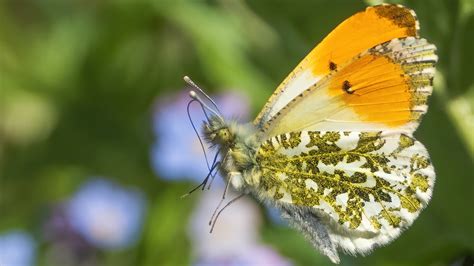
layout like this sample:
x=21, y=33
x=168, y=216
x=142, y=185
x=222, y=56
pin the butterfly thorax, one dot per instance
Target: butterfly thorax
x=237, y=144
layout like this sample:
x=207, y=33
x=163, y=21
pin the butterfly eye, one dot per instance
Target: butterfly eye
x=223, y=134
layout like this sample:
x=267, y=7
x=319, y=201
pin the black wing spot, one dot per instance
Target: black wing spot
x=332, y=65
x=346, y=86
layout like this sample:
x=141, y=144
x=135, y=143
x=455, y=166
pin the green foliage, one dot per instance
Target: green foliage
x=78, y=80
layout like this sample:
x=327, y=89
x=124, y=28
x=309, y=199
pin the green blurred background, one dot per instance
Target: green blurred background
x=79, y=80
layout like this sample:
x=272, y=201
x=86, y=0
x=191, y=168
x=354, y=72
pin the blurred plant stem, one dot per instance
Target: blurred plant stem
x=459, y=109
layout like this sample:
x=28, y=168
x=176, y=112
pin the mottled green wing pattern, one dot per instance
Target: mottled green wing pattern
x=368, y=185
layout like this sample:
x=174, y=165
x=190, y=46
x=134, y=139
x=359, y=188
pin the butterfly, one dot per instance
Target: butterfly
x=333, y=148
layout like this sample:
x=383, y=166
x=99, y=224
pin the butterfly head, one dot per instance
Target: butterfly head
x=218, y=132
x=236, y=143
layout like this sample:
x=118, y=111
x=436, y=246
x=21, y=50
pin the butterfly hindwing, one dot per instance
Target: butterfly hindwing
x=363, y=30
x=383, y=88
x=365, y=186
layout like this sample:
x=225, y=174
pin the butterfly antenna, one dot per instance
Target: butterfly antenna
x=195, y=96
x=223, y=208
x=214, y=175
x=215, y=165
x=197, y=133
x=192, y=84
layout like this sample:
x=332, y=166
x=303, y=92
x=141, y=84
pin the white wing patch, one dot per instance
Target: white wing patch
x=367, y=186
x=293, y=86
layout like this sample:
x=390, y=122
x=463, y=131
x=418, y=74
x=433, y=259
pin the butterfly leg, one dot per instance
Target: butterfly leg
x=220, y=202
x=223, y=208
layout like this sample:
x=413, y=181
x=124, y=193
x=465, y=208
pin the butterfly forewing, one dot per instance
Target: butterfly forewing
x=383, y=88
x=369, y=186
x=363, y=30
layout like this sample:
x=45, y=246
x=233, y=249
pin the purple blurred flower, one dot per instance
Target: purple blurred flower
x=66, y=245
x=256, y=255
x=17, y=248
x=177, y=152
x=107, y=215
x=234, y=240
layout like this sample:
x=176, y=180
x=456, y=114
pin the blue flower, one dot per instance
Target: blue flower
x=275, y=215
x=177, y=153
x=107, y=215
x=17, y=248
